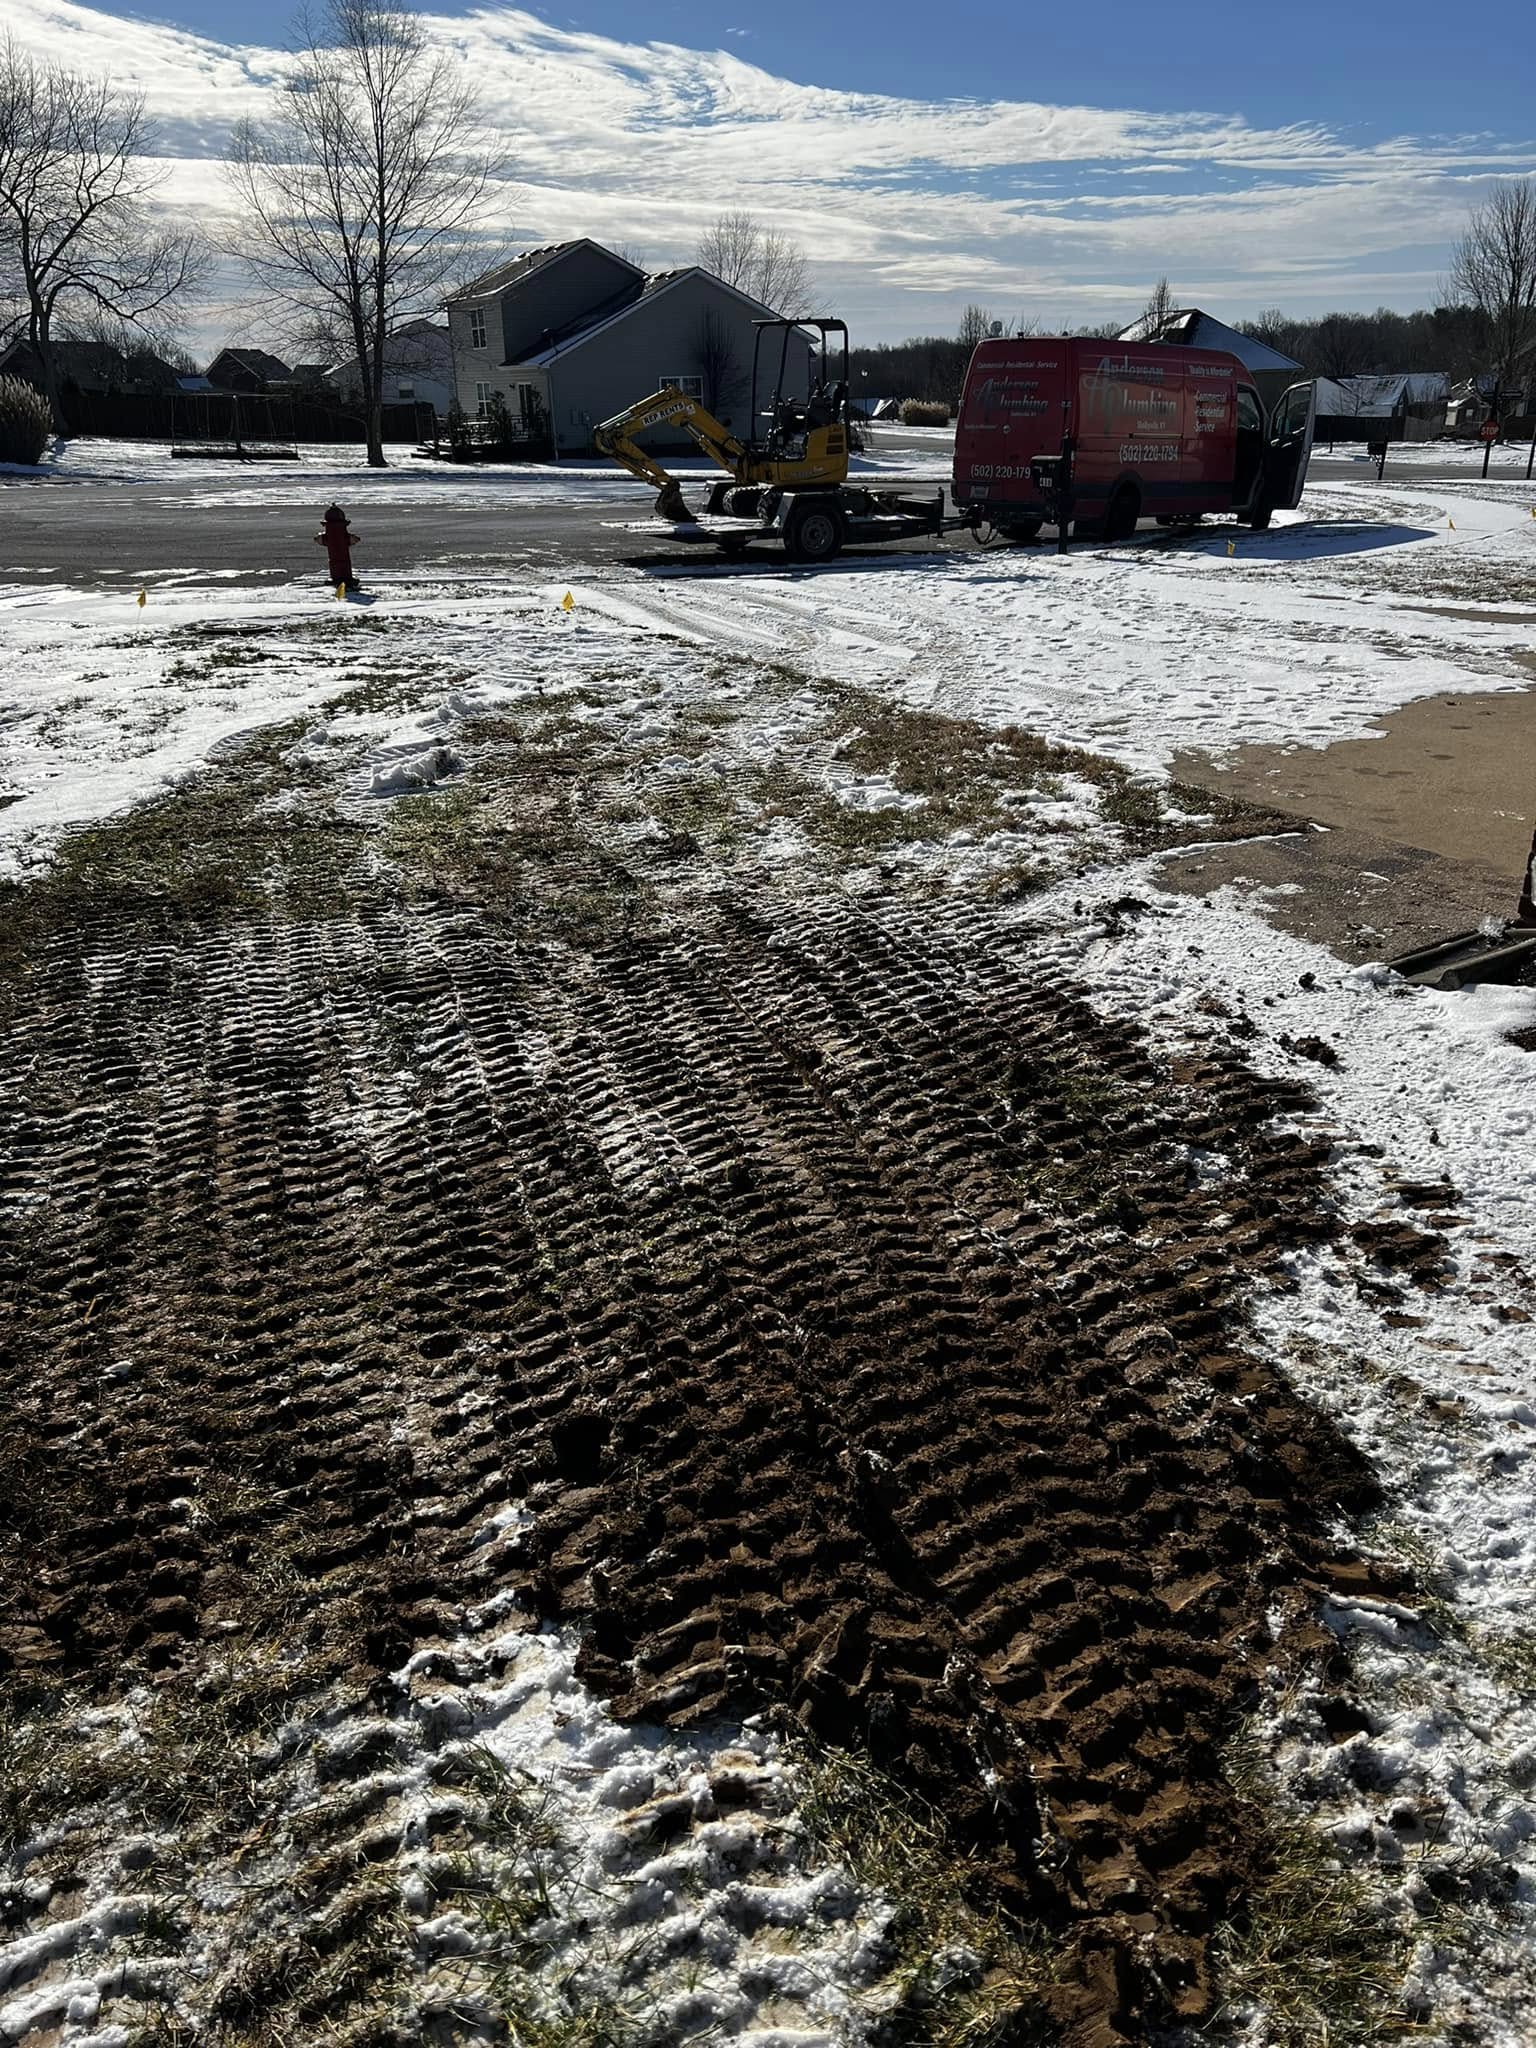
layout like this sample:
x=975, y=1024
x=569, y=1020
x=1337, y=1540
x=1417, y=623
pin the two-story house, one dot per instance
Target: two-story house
x=573, y=333
x=418, y=369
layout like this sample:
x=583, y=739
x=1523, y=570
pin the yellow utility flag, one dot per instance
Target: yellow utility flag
x=1451, y=524
x=1231, y=547
x=567, y=603
x=341, y=593
x=142, y=596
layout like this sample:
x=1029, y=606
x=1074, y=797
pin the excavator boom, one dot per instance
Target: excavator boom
x=668, y=407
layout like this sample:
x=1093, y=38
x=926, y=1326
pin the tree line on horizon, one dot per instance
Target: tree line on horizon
x=1459, y=339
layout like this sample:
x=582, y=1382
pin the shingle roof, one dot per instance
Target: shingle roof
x=258, y=361
x=523, y=266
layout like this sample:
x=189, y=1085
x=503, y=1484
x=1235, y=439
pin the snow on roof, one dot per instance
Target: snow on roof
x=1190, y=328
x=1379, y=397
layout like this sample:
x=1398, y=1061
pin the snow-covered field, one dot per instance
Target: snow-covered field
x=1302, y=635
x=1307, y=634
x=408, y=479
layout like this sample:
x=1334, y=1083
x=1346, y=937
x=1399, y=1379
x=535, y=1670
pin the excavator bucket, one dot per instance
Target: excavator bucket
x=669, y=503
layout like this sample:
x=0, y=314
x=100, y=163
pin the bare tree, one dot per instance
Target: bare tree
x=1159, y=308
x=1493, y=267
x=976, y=323
x=358, y=199
x=758, y=260
x=76, y=177
x=719, y=366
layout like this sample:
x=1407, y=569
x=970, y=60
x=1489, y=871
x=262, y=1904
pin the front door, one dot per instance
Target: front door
x=1289, y=446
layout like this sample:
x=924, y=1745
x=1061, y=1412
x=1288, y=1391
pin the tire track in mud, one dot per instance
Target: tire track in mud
x=846, y=1303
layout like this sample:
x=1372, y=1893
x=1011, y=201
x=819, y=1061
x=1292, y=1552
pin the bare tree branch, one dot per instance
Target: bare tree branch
x=975, y=325
x=76, y=230
x=757, y=260
x=1158, y=309
x=1493, y=267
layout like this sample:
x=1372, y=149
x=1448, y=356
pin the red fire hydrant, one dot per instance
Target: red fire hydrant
x=337, y=538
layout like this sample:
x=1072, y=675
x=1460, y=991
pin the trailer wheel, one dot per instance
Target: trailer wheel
x=812, y=532
x=1124, y=511
x=743, y=501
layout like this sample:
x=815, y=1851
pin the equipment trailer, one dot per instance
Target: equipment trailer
x=791, y=483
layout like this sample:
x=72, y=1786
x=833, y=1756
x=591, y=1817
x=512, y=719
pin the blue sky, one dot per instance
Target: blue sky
x=1310, y=158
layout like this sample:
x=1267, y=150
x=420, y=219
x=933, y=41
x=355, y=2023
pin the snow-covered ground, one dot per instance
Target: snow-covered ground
x=408, y=479
x=1508, y=459
x=1306, y=634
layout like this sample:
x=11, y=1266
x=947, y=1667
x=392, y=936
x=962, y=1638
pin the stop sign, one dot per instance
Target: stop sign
x=1489, y=430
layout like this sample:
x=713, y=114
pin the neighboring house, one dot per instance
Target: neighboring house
x=91, y=366
x=1471, y=402
x=1405, y=406
x=247, y=370
x=1271, y=371
x=573, y=333
x=418, y=369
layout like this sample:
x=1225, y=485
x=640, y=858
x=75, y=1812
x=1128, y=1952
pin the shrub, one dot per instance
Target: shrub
x=924, y=412
x=25, y=423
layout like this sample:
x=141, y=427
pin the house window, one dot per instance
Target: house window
x=477, y=328
x=484, y=393
x=406, y=393
x=524, y=397
x=690, y=387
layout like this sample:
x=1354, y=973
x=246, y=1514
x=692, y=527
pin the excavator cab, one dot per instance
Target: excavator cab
x=822, y=412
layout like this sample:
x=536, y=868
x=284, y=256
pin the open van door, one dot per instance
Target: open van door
x=1289, y=447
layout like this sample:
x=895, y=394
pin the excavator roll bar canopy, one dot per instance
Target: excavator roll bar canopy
x=829, y=386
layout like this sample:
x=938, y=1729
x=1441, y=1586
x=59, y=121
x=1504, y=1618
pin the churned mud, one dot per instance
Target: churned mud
x=858, y=1317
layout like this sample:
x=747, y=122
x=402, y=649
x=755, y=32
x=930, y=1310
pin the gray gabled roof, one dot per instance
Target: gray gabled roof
x=1190, y=328
x=522, y=267
x=663, y=281
x=258, y=361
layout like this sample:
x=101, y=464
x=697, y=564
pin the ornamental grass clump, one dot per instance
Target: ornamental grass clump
x=924, y=412
x=25, y=424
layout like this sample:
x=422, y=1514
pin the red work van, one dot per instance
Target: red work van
x=1094, y=435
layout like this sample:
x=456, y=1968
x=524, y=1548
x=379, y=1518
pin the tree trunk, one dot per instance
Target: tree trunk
x=43, y=340
x=376, y=425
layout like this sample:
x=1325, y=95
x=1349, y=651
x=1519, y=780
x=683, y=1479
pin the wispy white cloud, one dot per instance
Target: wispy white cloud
x=908, y=207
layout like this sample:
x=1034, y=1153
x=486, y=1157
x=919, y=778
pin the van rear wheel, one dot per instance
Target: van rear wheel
x=1124, y=511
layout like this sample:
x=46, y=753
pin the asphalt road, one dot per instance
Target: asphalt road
x=144, y=532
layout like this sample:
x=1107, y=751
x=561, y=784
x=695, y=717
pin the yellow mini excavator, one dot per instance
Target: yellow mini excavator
x=789, y=483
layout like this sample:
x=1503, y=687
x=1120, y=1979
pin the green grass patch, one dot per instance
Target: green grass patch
x=1308, y=1950
x=962, y=1973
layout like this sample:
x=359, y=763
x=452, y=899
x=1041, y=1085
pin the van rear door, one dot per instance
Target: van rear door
x=1289, y=447
x=1013, y=408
